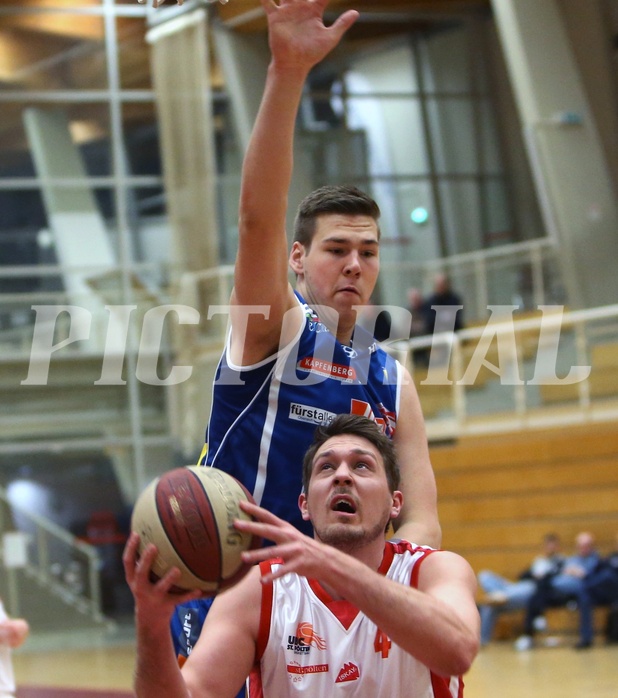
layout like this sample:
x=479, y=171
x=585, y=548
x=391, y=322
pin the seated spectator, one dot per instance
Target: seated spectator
x=503, y=594
x=561, y=588
x=599, y=588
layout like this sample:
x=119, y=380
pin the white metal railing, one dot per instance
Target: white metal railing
x=526, y=272
x=57, y=560
x=513, y=373
x=468, y=407
x=484, y=277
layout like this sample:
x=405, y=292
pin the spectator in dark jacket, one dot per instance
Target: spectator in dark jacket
x=503, y=594
x=599, y=588
x=562, y=587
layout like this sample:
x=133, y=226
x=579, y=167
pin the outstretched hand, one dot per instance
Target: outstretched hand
x=301, y=554
x=297, y=34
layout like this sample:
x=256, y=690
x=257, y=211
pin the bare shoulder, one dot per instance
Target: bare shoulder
x=446, y=566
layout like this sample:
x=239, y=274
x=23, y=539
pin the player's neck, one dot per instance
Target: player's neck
x=344, y=333
x=370, y=554
x=340, y=324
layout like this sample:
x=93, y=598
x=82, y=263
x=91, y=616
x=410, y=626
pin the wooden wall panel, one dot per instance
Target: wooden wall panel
x=498, y=496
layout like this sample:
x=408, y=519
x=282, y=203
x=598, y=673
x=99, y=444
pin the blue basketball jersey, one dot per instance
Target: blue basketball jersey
x=263, y=417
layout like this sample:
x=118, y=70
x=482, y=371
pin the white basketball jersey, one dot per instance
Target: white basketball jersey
x=311, y=645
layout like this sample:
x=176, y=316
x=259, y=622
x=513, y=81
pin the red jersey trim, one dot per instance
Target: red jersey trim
x=265, y=612
x=442, y=686
x=343, y=610
x=417, y=567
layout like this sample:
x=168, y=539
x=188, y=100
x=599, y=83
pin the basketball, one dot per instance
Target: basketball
x=188, y=513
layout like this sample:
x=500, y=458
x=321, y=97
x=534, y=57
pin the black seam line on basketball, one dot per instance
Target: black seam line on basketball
x=213, y=518
x=175, y=547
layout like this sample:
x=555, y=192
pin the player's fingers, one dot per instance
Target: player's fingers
x=129, y=555
x=291, y=564
x=285, y=550
x=341, y=25
x=167, y=586
x=268, y=5
x=278, y=532
x=260, y=513
x=144, y=562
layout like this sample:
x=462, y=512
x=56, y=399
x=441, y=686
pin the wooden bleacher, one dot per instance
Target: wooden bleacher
x=498, y=495
x=603, y=377
x=438, y=398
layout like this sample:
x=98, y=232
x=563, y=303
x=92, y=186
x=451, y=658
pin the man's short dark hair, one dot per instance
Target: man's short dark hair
x=357, y=426
x=331, y=199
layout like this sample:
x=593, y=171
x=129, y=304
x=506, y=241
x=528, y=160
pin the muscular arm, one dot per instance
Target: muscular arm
x=437, y=623
x=225, y=651
x=223, y=655
x=298, y=40
x=418, y=521
x=157, y=674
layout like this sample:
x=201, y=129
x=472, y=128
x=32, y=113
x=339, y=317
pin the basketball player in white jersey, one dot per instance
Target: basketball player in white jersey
x=343, y=613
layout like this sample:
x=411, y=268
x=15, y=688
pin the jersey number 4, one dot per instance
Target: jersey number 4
x=382, y=644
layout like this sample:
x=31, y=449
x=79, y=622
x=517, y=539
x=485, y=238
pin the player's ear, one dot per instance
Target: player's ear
x=297, y=255
x=397, y=504
x=302, y=505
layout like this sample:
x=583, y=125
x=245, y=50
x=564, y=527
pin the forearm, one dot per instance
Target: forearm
x=424, y=626
x=261, y=270
x=157, y=674
x=298, y=40
x=268, y=162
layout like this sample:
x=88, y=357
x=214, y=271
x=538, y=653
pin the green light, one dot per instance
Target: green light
x=419, y=215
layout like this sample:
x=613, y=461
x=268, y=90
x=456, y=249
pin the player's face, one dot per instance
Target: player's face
x=341, y=268
x=348, y=499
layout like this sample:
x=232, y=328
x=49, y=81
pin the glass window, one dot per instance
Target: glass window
x=460, y=206
x=453, y=137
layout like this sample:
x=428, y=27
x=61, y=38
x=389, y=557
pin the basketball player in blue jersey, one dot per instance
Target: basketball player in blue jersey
x=295, y=359
x=345, y=612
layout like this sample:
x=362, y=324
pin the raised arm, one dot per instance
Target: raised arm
x=418, y=521
x=298, y=40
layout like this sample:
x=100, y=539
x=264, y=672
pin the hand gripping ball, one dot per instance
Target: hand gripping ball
x=188, y=513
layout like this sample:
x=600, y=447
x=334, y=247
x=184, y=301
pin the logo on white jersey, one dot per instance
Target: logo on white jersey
x=296, y=672
x=348, y=672
x=309, y=636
